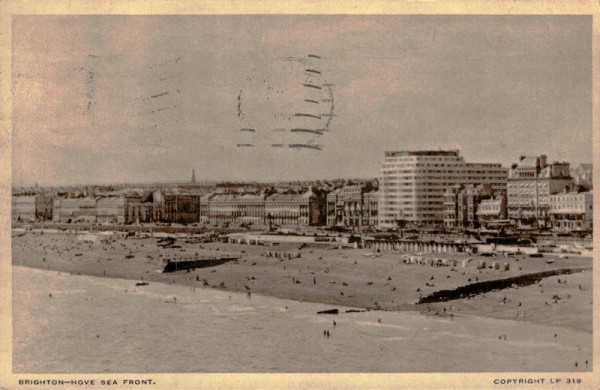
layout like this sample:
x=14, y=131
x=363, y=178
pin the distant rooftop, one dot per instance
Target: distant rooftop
x=528, y=162
x=402, y=153
x=288, y=197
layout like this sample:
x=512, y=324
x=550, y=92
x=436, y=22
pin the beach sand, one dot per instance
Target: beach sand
x=66, y=323
x=331, y=276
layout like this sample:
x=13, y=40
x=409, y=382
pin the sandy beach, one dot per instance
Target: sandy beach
x=66, y=323
x=77, y=308
x=331, y=276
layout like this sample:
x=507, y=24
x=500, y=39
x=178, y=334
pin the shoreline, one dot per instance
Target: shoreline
x=232, y=293
x=325, y=276
x=102, y=325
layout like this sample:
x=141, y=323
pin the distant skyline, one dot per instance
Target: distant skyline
x=116, y=99
x=184, y=182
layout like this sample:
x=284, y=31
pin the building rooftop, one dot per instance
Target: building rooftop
x=230, y=197
x=289, y=197
x=352, y=188
x=401, y=153
x=222, y=197
x=528, y=162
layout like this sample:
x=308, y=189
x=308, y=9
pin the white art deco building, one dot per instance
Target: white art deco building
x=412, y=183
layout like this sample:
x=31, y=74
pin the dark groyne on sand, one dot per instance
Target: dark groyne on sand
x=473, y=289
x=183, y=265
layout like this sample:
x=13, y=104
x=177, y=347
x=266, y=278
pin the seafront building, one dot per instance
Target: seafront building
x=334, y=212
x=30, y=208
x=301, y=209
x=234, y=208
x=530, y=184
x=222, y=208
x=353, y=206
x=469, y=199
x=473, y=206
x=451, y=206
x=493, y=211
x=139, y=208
x=306, y=209
x=110, y=209
x=350, y=200
x=421, y=188
x=133, y=208
x=412, y=184
x=371, y=208
x=463, y=205
x=183, y=209
x=204, y=207
x=67, y=210
x=572, y=211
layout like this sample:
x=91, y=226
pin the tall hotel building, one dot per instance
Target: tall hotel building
x=531, y=182
x=412, y=183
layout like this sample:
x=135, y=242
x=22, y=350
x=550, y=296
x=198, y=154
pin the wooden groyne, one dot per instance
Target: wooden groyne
x=473, y=289
x=183, y=265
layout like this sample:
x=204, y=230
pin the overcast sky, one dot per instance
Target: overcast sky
x=137, y=99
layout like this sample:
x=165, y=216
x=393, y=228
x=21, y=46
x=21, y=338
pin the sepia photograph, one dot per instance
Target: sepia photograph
x=299, y=193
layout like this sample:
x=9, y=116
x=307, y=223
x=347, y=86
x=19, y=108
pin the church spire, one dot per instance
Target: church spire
x=193, y=176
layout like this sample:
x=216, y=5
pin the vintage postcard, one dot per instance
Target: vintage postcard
x=298, y=195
